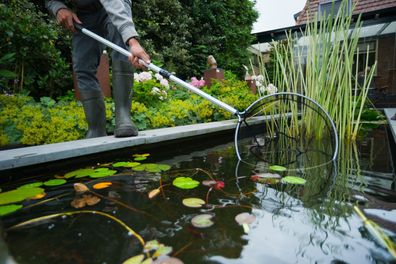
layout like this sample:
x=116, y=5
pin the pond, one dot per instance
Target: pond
x=141, y=209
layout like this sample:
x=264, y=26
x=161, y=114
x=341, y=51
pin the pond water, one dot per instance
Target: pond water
x=293, y=223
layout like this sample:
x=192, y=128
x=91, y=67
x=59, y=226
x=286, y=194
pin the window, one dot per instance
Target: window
x=328, y=7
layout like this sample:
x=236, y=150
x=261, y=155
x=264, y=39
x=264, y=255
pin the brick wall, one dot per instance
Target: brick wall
x=362, y=6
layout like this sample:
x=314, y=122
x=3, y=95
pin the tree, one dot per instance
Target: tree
x=183, y=33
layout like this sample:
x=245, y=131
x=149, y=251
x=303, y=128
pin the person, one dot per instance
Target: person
x=113, y=21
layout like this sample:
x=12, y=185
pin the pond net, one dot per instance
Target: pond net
x=286, y=129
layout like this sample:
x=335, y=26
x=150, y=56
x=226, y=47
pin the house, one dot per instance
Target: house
x=377, y=39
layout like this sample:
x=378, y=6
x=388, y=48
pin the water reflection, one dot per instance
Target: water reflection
x=311, y=223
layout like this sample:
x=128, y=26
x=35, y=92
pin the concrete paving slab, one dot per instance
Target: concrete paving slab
x=20, y=157
x=389, y=113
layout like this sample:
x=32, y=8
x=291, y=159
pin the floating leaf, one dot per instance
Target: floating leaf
x=151, y=245
x=38, y=196
x=147, y=261
x=209, y=182
x=102, y=172
x=162, y=250
x=126, y=164
x=266, y=178
x=151, y=167
x=31, y=185
x=193, y=202
x=140, y=158
x=134, y=260
x=185, y=183
x=277, y=168
x=8, y=209
x=55, y=182
x=244, y=219
x=141, y=155
x=293, y=180
x=19, y=195
x=102, y=185
x=85, y=200
x=79, y=173
x=202, y=220
x=80, y=187
x=164, y=167
x=154, y=193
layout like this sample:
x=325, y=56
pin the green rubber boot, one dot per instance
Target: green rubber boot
x=122, y=95
x=95, y=114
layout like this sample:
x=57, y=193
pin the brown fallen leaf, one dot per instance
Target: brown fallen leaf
x=84, y=201
x=153, y=193
x=80, y=187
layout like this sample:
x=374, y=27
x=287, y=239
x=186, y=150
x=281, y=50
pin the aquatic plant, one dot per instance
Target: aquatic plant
x=320, y=65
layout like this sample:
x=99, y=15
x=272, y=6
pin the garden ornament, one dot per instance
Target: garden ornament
x=251, y=145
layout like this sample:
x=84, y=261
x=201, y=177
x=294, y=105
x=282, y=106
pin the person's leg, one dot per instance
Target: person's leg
x=122, y=83
x=86, y=57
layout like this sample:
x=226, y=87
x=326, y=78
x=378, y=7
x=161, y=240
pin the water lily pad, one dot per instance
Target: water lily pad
x=277, y=168
x=141, y=155
x=244, y=219
x=209, y=182
x=102, y=185
x=151, y=167
x=134, y=260
x=140, y=158
x=31, y=185
x=293, y=180
x=193, y=202
x=102, y=172
x=19, y=195
x=162, y=250
x=55, y=182
x=151, y=245
x=79, y=173
x=202, y=221
x=185, y=183
x=8, y=209
x=126, y=164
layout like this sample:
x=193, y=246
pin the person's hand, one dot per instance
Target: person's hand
x=66, y=18
x=138, y=53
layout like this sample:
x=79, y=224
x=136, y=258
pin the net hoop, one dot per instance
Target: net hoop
x=324, y=114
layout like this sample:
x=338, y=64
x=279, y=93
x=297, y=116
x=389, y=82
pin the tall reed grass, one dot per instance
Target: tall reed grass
x=319, y=64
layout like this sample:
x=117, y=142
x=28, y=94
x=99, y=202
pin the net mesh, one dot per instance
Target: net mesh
x=286, y=129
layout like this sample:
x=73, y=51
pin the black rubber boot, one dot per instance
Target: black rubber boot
x=95, y=114
x=122, y=95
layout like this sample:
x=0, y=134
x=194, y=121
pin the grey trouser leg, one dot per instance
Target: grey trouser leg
x=86, y=58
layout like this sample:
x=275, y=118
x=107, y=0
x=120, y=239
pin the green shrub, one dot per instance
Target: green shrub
x=25, y=121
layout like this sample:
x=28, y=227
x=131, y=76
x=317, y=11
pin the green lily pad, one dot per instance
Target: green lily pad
x=164, y=167
x=185, y=183
x=193, y=202
x=79, y=173
x=134, y=260
x=293, y=180
x=7, y=209
x=102, y=172
x=202, y=220
x=277, y=168
x=31, y=185
x=162, y=250
x=55, y=182
x=140, y=158
x=19, y=195
x=151, y=245
x=126, y=164
x=151, y=167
